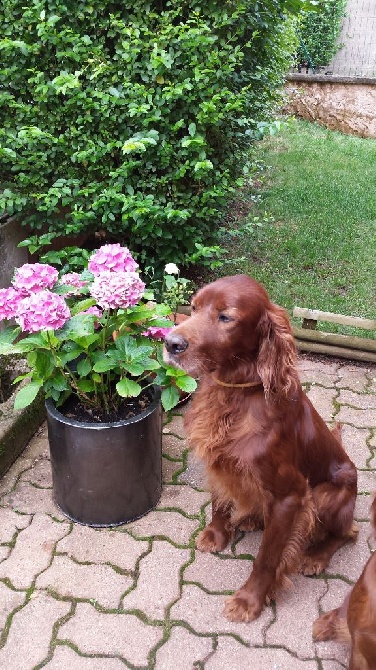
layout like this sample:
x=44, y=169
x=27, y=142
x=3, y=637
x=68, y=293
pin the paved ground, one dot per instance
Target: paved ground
x=140, y=596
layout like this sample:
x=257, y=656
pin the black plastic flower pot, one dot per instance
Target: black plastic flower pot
x=106, y=474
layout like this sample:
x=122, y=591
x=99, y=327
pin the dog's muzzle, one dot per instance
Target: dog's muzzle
x=175, y=344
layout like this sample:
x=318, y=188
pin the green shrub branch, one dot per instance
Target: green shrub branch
x=134, y=118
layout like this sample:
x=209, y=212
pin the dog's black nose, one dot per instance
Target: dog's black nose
x=175, y=344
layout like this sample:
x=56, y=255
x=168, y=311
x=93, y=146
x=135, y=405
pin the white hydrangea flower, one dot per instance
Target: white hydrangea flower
x=171, y=269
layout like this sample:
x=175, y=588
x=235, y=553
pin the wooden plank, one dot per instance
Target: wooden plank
x=341, y=352
x=317, y=315
x=348, y=341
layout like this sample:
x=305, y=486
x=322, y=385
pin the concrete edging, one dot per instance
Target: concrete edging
x=17, y=428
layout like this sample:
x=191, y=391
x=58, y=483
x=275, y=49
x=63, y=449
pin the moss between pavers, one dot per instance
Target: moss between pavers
x=17, y=428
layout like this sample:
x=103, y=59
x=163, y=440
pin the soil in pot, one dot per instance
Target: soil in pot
x=127, y=409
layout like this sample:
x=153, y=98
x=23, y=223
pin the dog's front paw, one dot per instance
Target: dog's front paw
x=332, y=626
x=312, y=565
x=250, y=523
x=211, y=539
x=243, y=607
x=323, y=628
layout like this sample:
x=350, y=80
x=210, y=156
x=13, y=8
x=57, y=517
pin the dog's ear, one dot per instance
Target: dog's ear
x=276, y=361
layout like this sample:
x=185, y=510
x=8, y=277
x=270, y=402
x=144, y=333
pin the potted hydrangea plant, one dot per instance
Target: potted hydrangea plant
x=93, y=342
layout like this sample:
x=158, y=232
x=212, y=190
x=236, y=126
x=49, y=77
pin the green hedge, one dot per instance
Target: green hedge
x=132, y=117
x=319, y=32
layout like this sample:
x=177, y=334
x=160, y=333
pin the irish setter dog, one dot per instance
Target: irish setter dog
x=355, y=620
x=270, y=459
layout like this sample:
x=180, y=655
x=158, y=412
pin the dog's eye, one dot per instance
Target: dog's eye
x=224, y=318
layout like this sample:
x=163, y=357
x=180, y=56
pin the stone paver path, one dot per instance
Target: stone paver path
x=140, y=596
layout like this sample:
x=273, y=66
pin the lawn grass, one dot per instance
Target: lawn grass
x=319, y=249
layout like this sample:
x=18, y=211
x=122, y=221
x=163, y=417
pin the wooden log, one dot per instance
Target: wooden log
x=317, y=315
x=184, y=309
x=341, y=352
x=347, y=341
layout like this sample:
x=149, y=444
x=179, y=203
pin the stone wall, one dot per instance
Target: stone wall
x=348, y=105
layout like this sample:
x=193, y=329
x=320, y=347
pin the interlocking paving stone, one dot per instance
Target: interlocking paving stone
x=27, y=498
x=333, y=650
x=366, y=481
x=218, y=574
x=9, y=601
x=102, y=546
x=347, y=559
x=113, y=634
x=158, y=581
x=170, y=470
x=249, y=544
x=193, y=474
x=363, y=503
x=292, y=631
x=65, y=658
x=99, y=583
x=335, y=593
x=10, y=522
x=40, y=474
x=175, y=427
x=354, y=441
x=258, y=659
x=315, y=366
x=4, y=553
x=33, y=551
x=172, y=525
x=184, y=498
x=153, y=616
x=30, y=634
x=362, y=401
x=36, y=449
x=174, y=446
x=360, y=418
x=204, y=613
x=323, y=400
x=319, y=377
x=331, y=665
x=356, y=379
x=183, y=649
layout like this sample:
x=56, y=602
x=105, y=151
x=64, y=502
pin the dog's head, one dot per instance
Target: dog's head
x=236, y=330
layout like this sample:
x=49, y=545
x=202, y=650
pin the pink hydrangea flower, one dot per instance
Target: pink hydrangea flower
x=112, y=258
x=42, y=311
x=157, y=333
x=93, y=310
x=117, y=289
x=9, y=299
x=33, y=277
x=73, y=279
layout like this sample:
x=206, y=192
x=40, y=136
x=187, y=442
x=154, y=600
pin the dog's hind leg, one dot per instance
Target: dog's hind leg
x=334, y=503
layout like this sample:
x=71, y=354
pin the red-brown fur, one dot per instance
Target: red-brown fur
x=270, y=459
x=355, y=620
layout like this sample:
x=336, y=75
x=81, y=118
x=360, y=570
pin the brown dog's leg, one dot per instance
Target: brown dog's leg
x=363, y=651
x=217, y=534
x=333, y=625
x=317, y=557
x=247, y=603
x=334, y=503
